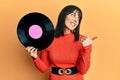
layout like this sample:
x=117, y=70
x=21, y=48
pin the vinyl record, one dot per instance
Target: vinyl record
x=35, y=29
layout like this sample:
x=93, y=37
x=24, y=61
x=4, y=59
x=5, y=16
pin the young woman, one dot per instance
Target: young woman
x=69, y=53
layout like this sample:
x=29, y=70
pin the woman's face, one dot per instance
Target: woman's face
x=71, y=21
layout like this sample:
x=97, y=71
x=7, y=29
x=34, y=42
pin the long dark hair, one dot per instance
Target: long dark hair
x=60, y=27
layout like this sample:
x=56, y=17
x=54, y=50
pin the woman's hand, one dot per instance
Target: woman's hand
x=32, y=51
x=87, y=41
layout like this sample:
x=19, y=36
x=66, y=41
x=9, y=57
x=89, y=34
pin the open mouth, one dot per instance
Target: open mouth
x=73, y=24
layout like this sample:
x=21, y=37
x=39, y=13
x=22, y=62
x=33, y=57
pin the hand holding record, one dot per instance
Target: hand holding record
x=32, y=51
x=35, y=29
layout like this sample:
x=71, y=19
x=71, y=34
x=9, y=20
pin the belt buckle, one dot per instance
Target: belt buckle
x=61, y=72
x=68, y=71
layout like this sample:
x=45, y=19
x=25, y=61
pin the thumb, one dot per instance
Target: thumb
x=95, y=37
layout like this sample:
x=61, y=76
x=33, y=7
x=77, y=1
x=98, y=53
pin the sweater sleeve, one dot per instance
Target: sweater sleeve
x=42, y=62
x=83, y=62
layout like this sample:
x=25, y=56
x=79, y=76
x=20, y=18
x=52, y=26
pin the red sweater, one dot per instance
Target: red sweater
x=64, y=52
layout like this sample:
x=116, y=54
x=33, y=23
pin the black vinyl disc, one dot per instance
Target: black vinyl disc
x=35, y=29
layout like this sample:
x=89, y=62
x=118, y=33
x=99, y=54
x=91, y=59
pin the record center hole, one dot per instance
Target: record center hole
x=35, y=31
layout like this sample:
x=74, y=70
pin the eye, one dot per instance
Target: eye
x=73, y=14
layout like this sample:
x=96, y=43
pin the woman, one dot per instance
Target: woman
x=69, y=53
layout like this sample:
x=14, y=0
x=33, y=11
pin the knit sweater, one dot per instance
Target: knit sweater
x=65, y=52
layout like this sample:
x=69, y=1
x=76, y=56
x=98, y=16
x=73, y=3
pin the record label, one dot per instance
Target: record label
x=35, y=31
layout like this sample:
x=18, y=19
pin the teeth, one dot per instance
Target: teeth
x=73, y=24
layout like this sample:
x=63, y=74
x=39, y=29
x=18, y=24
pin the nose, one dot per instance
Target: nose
x=75, y=19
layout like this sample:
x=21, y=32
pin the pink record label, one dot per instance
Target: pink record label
x=35, y=31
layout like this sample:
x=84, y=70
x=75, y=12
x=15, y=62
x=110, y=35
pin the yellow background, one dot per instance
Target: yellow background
x=100, y=18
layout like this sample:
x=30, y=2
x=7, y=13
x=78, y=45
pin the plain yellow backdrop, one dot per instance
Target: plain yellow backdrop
x=100, y=18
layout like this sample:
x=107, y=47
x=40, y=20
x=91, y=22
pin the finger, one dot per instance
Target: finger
x=95, y=37
x=84, y=38
x=33, y=50
x=36, y=50
x=26, y=48
x=29, y=49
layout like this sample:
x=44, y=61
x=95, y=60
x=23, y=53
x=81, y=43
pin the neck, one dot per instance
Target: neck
x=67, y=31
